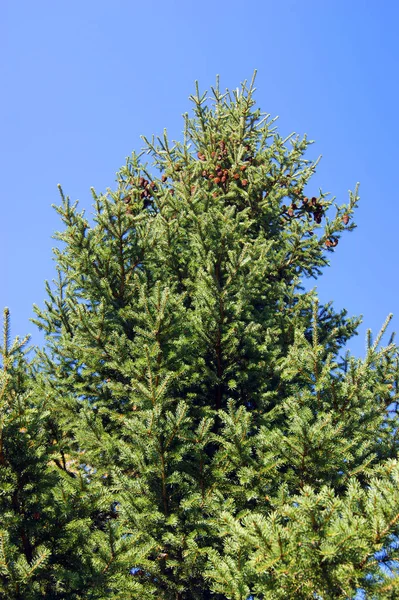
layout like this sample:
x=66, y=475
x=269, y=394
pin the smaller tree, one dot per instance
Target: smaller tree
x=46, y=511
x=328, y=523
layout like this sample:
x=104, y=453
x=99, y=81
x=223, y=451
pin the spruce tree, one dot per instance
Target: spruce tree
x=48, y=515
x=233, y=448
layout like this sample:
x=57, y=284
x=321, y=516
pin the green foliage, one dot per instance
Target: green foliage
x=204, y=434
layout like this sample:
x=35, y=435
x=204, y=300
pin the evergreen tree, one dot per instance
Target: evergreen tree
x=232, y=448
x=47, y=512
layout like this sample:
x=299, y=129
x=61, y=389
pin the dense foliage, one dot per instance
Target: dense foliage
x=193, y=428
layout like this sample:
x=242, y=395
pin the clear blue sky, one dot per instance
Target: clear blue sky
x=81, y=80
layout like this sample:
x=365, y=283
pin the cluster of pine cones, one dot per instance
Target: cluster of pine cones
x=309, y=205
x=147, y=188
x=221, y=172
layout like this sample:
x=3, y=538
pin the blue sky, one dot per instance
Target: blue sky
x=82, y=80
